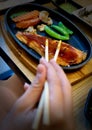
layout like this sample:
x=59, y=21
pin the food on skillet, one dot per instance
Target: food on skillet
x=28, y=19
x=42, y=22
x=54, y=34
x=68, y=55
x=32, y=18
x=44, y=17
x=60, y=24
x=59, y=31
x=28, y=15
x=26, y=23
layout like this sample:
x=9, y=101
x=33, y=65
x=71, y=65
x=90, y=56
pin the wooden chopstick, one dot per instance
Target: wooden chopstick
x=39, y=113
x=46, y=112
x=46, y=51
x=44, y=101
x=57, y=50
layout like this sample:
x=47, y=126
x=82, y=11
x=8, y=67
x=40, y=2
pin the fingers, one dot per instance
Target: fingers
x=65, y=84
x=60, y=72
x=56, y=98
x=33, y=91
x=66, y=91
x=60, y=90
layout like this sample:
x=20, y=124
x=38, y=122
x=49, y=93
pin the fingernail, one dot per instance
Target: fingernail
x=26, y=84
x=41, y=59
x=39, y=73
x=39, y=70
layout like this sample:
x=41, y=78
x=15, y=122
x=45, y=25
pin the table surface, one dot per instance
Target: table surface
x=80, y=79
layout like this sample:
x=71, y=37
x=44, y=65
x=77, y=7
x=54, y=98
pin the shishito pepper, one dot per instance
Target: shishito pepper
x=60, y=24
x=54, y=34
x=60, y=29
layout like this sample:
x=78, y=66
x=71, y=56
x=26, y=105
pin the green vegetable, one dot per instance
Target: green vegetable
x=54, y=34
x=60, y=24
x=17, y=14
x=59, y=29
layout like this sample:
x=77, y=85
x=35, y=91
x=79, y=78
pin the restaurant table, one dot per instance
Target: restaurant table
x=81, y=79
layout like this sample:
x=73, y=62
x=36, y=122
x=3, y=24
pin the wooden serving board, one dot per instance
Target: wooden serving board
x=29, y=62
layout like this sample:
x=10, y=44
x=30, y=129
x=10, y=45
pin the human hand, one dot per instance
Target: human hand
x=22, y=114
x=61, y=110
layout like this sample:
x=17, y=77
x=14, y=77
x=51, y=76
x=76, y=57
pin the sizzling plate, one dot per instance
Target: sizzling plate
x=78, y=39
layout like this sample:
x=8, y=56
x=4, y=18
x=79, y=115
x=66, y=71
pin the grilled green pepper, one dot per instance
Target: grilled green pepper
x=60, y=24
x=60, y=30
x=54, y=34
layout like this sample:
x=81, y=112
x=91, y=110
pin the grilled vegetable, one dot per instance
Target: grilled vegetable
x=60, y=24
x=44, y=17
x=60, y=29
x=54, y=34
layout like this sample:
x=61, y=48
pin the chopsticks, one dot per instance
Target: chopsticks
x=46, y=118
x=41, y=103
x=57, y=50
x=44, y=101
x=46, y=50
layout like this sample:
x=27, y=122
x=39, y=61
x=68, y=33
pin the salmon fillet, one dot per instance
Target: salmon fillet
x=68, y=54
x=30, y=15
x=27, y=23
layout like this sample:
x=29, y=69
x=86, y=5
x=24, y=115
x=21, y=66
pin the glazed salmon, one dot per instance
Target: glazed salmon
x=68, y=54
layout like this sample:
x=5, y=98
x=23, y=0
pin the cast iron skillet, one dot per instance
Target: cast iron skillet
x=78, y=39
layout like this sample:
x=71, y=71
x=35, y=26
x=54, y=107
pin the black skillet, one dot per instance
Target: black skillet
x=78, y=39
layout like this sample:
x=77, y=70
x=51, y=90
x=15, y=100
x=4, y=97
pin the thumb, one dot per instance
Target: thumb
x=33, y=91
